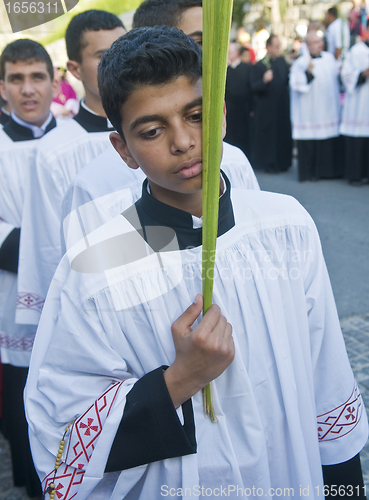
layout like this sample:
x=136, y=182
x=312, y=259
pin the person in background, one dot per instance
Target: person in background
x=354, y=123
x=60, y=157
x=65, y=104
x=245, y=55
x=238, y=100
x=315, y=112
x=27, y=86
x=337, y=34
x=272, y=140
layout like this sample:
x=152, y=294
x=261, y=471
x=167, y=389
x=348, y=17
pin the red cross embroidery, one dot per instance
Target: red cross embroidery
x=88, y=426
x=28, y=300
x=59, y=487
x=350, y=415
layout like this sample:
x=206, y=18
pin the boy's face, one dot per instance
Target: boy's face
x=162, y=127
x=191, y=24
x=96, y=43
x=28, y=89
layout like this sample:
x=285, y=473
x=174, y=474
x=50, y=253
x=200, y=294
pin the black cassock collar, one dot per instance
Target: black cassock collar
x=4, y=118
x=18, y=132
x=152, y=212
x=91, y=122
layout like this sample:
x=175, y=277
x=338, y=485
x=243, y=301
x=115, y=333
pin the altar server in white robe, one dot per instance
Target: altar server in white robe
x=355, y=121
x=27, y=86
x=117, y=371
x=60, y=157
x=315, y=111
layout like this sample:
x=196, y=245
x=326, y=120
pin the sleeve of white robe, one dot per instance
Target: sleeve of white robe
x=342, y=424
x=350, y=72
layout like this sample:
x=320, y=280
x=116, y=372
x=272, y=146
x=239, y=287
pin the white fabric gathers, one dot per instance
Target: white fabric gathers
x=15, y=159
x=108, y=186
x=281, y=405
x=315, y=106
x=62, y=153
x=355, y=116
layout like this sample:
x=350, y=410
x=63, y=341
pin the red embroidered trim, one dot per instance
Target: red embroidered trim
x=81, y=444
x=16, y=343
x=27, y=300
x=315, y=125
x=341, y=420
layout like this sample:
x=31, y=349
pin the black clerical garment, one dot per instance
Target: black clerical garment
x=272, y=138
x=239, y=105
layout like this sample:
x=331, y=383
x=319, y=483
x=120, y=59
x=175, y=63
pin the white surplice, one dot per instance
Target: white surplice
x=315, y=106
x=15, y=159
x=287, y=404
x=355, y=115
x=61, y=155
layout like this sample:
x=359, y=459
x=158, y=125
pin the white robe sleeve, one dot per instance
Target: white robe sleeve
x=298, y=78
x=342, y=424
x=350, y=72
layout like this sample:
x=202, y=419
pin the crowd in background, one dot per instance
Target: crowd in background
x=316, y=93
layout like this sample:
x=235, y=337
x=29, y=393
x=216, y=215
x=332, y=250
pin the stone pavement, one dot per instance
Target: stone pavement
x=356, y=333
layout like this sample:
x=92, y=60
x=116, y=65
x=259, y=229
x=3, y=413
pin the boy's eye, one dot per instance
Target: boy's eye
x=196, y=117
x=151, y=134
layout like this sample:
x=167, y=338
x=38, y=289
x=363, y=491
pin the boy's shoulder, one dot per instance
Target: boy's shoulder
x=260, y=210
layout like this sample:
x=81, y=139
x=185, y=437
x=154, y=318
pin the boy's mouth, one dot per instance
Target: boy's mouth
x=190, y=168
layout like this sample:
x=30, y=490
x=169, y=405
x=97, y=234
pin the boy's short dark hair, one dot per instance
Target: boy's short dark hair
x=145, y=56
x=333, y=11
x=162, y=12
x=270, y=40
x=90, y=20
x=25, y=50
x=243, y=49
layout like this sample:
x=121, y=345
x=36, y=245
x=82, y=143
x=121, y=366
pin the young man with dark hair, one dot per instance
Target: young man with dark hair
x=121, y=354
x=60, y=157
x=27, y=87
x=185, y=15
x=337, y=35
x=115, y=186
x=272, y=140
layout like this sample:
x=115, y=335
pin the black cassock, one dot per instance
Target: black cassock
x=238, y=104
x=272, y=138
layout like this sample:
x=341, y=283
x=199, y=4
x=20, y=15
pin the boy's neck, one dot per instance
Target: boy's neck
x=191, y=203
x=94, y=104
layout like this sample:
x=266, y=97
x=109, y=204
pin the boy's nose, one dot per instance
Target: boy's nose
x=182, y=140
x=27, y=87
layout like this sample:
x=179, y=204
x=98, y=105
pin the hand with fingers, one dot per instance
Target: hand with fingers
x=202, y=353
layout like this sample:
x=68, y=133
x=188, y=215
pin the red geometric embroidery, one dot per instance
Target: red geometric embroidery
x=88, y=426
x=341, y=420
x=23, y=344
x=27, y=300
x=81, y=446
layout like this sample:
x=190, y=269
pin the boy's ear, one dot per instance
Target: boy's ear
x=56, y=88
x=75, y=68
x=2, y=90
x=122, y=149
x=224, y=124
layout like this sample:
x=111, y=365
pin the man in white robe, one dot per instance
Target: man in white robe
x=355, y=122
x=315, y=111
x=60, y=157
x=117, y=370
x=337, y=34
x=27, y=87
